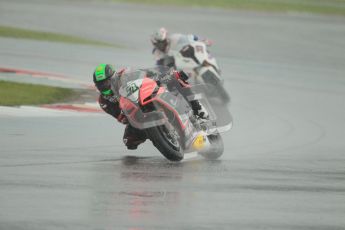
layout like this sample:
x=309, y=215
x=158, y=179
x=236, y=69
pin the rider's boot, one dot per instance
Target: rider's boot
x=133, y=137
x=199, y=110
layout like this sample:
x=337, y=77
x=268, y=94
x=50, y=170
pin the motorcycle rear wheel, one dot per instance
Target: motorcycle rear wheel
x=216, y=149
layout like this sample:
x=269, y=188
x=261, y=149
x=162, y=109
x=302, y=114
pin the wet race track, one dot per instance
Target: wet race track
x=284, y=161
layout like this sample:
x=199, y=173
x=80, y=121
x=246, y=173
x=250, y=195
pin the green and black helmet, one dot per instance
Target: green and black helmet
x=101, y=78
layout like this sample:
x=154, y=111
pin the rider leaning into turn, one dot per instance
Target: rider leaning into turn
x=102, y=75
x=161, y=41
x=132, y=137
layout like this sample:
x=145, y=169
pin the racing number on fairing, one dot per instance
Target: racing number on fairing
x=131, y=88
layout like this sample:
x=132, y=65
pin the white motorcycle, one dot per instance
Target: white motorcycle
x=194, y=59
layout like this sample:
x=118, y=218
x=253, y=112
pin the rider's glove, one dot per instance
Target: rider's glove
x=122, y=118
x=199, y=109
x=183, y=75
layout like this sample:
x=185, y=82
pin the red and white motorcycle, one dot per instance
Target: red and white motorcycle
x=166, y=115
x=194, y=58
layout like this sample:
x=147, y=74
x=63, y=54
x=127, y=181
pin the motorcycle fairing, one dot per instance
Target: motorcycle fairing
x=189, y=54
x=139, y=119
x=148, y=90
x=131, y=91
x=138, y=91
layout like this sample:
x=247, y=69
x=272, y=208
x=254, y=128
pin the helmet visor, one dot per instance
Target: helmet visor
x=104, y=87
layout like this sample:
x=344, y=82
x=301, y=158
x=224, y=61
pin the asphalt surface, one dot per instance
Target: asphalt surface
x=283, y=165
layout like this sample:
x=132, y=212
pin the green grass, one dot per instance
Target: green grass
x=6, y=31
x=336, y=7
x=12, y=94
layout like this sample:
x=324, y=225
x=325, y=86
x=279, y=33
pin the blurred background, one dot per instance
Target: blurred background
x=283, y=164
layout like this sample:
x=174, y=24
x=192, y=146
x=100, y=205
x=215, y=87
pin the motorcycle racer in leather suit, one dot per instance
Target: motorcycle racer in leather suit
x=162, y=40
x=108, y=102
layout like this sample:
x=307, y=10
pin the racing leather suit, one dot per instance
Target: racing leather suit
x=161, y=56
x=132, y=137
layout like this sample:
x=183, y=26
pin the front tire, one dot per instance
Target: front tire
x=169, y=147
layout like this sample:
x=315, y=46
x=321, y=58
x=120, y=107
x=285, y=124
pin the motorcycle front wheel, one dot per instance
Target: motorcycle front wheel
x=167, y=142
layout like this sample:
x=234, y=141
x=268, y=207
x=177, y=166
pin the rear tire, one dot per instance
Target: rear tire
x=170, y=151
x=223, y=94
x=215, y=87
x=218, y=92
x=216, y=149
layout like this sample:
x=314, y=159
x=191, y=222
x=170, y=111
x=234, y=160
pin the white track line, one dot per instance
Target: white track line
x=33, y=111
